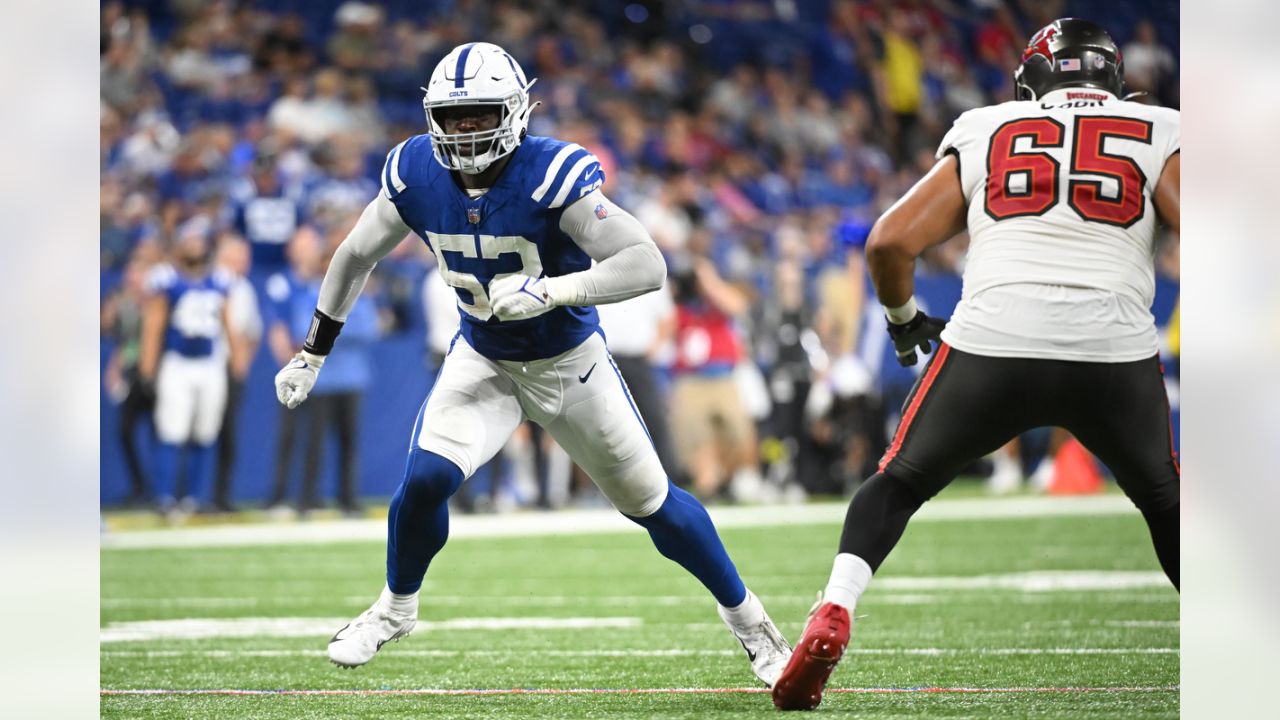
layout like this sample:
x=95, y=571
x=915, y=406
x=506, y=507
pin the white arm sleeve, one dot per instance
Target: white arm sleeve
x=628, y=263
x=376, y=233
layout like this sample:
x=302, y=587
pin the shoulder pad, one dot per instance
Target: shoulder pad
x=408, y=163
x=564, y=171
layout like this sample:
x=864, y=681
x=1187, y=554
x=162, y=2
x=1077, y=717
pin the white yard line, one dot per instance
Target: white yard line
x=201, y=628
x=398, y=652
x=644, y=691
x=918, y=589
x=573, y=522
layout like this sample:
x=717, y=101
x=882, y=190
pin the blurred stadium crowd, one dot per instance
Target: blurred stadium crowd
x=756, y=140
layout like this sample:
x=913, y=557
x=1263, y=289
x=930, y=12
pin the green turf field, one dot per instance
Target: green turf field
x=1042, y=616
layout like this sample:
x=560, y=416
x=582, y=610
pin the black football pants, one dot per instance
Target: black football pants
x=965, y=406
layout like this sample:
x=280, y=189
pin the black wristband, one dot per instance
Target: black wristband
x=322, y=334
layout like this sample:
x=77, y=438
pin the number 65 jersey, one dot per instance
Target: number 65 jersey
x=510, y=228
x=1062, y=226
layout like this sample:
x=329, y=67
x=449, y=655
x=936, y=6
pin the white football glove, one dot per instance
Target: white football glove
x=518, y=297
x=295, y=380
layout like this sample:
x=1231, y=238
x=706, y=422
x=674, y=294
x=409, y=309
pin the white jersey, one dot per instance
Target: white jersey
x=1062, y=226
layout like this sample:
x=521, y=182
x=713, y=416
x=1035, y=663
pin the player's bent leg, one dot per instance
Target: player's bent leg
x=877, y=517
x=418, y=519
x=1128, y=428
x=683, y=532
x=874, y=523
x=600, y=428
x=468, y=415
x=417, y=528
x=1154, y=488
x=964, y=406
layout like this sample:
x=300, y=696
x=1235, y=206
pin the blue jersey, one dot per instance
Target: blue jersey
x=514, y=227
x=268, y=221
x=195, y=309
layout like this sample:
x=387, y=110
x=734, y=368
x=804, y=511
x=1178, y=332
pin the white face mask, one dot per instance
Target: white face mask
x=457, y=151
x=477, y=74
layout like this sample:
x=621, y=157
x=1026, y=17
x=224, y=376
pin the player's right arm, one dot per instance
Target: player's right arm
x=155, y=317
x=1168, y=193
x=155, y=313
x=933, y=211
x=377, y=232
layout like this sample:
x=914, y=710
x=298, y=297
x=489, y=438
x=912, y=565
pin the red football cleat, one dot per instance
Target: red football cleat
x=803, y=679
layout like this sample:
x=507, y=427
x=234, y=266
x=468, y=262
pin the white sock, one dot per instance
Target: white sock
x=399, y=604
x=849, y=577
x=750, y=612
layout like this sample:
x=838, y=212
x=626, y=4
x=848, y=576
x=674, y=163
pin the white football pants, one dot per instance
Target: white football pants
x=191, y=396
x=578, y=396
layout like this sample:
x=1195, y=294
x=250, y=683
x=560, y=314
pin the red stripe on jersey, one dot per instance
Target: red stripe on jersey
x=943, y=351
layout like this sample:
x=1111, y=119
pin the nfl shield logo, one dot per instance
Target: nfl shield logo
x=473, y=215
x=601, y=211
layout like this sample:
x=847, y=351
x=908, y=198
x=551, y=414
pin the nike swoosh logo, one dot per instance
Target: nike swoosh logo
x=750, y=655
x=334, y=639
x=584, y=378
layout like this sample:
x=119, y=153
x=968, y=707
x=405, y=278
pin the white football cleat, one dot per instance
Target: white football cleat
x=357, y=642
x=766, y=648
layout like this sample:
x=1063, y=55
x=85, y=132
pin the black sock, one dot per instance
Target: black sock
x=877, y=516
x=1165, y=535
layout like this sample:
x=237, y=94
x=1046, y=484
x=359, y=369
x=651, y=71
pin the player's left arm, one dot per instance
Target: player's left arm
x=1168, y=195
x=932, y=212
x=628, y=263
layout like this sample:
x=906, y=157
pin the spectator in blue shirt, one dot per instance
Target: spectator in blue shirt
x=335, y=401
x=266, y=213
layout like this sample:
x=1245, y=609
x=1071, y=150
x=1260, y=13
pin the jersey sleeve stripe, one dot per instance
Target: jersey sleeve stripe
x=392, y=185
x=571, y=179
x=396, y=182
x=554, y=169
x=386, y=175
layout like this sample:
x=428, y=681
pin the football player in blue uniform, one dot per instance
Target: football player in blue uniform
x=184, y=321
x=530, y=244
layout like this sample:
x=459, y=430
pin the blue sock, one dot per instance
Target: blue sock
x=166, y=469
x=199, y=465
x=418, y=520
x=682, y=531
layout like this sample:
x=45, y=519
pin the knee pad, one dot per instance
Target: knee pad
x=1159, y=492
x=918, y=486
x=430, y=477
x=639, y=492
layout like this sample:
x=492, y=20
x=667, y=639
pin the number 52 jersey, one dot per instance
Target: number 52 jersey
x=511, y=228
x=1062, y=226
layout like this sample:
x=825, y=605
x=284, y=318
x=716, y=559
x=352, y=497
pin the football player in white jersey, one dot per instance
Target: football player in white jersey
x=1061, y=192
x=529, y=244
